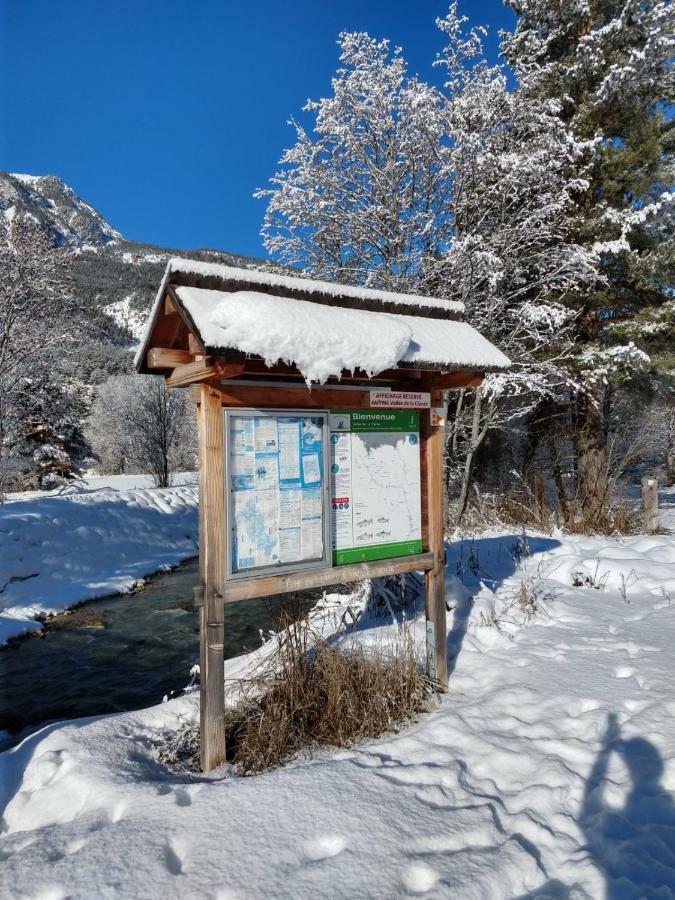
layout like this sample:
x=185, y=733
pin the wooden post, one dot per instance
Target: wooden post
x=212, y=530
x=650, y=503
x=434, y=579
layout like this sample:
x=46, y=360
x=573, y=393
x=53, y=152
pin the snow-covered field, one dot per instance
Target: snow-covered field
x=98, y=537
x=548, y=770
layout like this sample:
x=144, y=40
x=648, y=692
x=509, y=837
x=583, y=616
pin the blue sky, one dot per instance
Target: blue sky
x=167, y=114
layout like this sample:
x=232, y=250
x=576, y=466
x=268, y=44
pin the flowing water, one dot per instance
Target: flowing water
x=119, y=653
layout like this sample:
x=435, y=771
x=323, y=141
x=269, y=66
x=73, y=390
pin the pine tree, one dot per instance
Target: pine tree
x=41, y=324
x=44, y=432
x=607, y=64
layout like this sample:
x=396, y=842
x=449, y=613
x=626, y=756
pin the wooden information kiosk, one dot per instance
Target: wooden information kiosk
x=320, y=421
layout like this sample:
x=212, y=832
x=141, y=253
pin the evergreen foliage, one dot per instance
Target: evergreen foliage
x=608, y=66
x=44, y=433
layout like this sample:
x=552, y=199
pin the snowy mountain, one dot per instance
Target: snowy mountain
x=54, y=206
x=114, y=277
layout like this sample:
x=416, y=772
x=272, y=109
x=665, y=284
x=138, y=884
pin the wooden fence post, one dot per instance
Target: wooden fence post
x=212, y=530
x=650, y=503
x=434, y=579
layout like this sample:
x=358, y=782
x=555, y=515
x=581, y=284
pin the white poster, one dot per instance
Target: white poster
x=375, y=485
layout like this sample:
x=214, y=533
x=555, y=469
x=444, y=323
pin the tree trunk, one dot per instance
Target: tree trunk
x=592, y=456
x=558, y=479
x=470, y=456
x=670, y=450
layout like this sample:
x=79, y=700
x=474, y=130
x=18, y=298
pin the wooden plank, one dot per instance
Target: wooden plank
x=457, y=380
x=202, y=370
x=300, y=397
x=424, y=487
x=293, y=398
x=195, y=345
x=290, y=397
x=212, y=531
x=250, y=588
x=434, y=579
x=167, y=357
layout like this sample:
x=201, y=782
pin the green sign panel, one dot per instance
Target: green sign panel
x=375, y=484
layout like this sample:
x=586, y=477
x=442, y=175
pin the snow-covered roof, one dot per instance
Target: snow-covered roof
x=323, y=341
x=283, y=283
x=321, y=328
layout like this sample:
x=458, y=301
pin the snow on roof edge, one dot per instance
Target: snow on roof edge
x=139, y=356
x=332, y=339
x=297, y=282
x=498, y=362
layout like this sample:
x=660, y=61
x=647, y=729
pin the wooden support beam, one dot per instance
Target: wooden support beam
x=457, y=380
x=268, y=585
x=202, y=370
x=195, y=345
x=300, y=397
x=167, y=357
x=212, y=530
x=434, y=579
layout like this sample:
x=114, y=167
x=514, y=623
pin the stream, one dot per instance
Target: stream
x=120, y=653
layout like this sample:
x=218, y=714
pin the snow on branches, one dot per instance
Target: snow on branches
x=466, y=192
x=39, y=323
x=629, y=47
x=362, y=198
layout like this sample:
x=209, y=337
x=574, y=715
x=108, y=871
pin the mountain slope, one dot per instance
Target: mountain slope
x=115, y=278
x=56, y=208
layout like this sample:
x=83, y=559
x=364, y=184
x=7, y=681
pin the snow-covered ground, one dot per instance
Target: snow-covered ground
x=548, y=770
x=87, y=540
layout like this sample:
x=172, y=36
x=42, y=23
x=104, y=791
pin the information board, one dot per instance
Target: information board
x=375, y=484
x=277, y=491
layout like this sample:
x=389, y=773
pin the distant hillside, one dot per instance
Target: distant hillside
x=116, y=279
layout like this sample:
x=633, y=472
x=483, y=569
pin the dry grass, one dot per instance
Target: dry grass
x=313, y=694
x=616, y=519
x=521, y=507
x=525, y=506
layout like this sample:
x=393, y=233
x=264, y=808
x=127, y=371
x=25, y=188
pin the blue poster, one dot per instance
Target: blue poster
x=276, y=480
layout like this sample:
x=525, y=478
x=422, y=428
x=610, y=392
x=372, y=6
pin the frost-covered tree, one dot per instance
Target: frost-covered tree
x=465, y=192
x=38, y=312
x=40, y=319
x=609, y=66
x=137, y=424
x=44, y=433
x=361, y=197
x=516, y=173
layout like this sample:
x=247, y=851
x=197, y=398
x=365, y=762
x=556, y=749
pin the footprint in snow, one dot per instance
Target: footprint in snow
x=182, y=797
x=419, y=878
x=624, y=671
x=174, y=857
x=74, y=846
x=324, y=846
x=643, y=683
